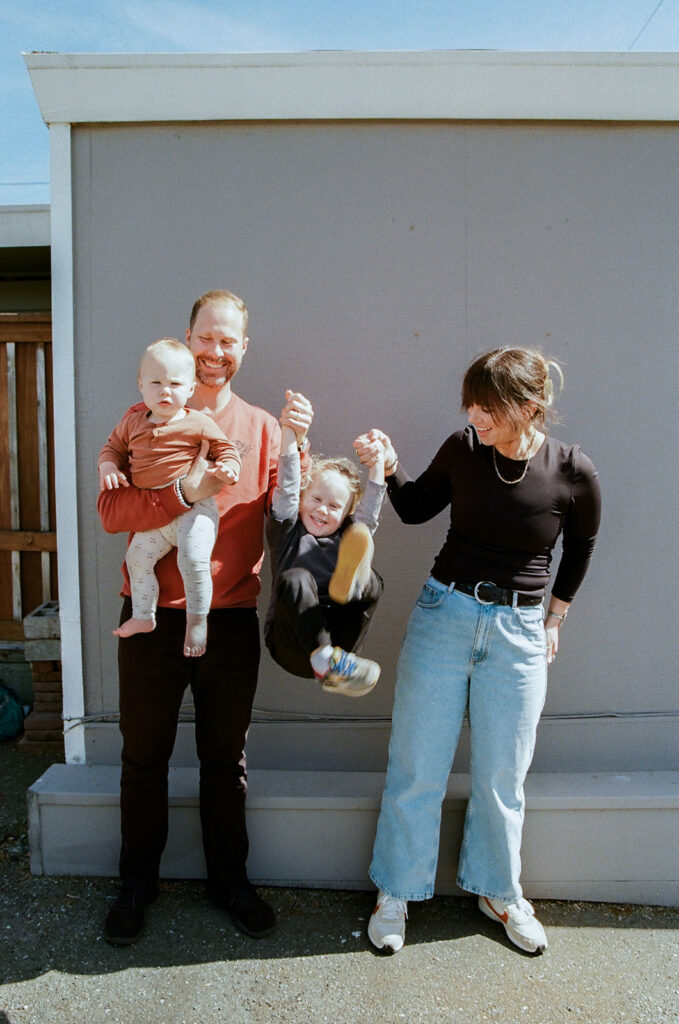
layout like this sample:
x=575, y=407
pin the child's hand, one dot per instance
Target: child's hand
x=368, y=450
x=227, y=474
x=110, y=477
x=297, y=414
x=376, y=471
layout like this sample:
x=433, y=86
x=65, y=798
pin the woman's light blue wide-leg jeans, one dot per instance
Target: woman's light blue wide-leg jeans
x=458, y=653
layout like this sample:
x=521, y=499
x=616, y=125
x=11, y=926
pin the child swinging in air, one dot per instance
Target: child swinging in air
x=159, y=442
x=324, y=589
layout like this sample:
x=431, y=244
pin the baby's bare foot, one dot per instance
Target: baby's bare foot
x=195, y=640
x=133, y=626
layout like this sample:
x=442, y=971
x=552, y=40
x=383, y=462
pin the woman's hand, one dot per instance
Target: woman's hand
x=554, y=619
x=552, y=636
x=297, y=414
x=368, y=447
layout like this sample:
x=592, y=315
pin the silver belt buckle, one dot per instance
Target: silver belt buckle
x=483, y=583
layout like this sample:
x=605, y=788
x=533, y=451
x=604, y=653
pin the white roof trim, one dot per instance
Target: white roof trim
x=77, y=88
x=24, y=226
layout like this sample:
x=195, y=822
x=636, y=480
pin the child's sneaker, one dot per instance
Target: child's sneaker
x=520, y=922
x=354, y=559
x=350, y=675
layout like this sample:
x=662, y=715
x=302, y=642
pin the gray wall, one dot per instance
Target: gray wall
x=377, y=260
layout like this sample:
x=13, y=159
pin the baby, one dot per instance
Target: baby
x=159, y=443
x=324, y=589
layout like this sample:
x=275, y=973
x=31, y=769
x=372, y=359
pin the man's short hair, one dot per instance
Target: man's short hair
x=218, y=297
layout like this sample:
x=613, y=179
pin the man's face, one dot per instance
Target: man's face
x=218, y=343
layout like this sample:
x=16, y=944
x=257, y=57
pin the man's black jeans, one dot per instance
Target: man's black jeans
x=154, y=674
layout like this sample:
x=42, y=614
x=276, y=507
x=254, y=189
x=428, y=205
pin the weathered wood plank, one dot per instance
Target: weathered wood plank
x=27, y=540
x=28, y=560
x=28, y=438
x=5, y=457
x=11, y=630
x=25, y=327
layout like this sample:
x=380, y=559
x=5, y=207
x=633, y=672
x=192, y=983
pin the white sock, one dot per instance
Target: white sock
x=320, y=659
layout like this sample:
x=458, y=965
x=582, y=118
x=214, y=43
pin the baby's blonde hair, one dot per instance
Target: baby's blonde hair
x=335, y=464
x=156, y=348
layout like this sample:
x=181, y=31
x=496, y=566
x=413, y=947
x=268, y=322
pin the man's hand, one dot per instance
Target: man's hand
x=110, y=477
x=200, y=482
x=297, y=414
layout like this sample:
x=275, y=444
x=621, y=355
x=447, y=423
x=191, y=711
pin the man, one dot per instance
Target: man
x=153, y=671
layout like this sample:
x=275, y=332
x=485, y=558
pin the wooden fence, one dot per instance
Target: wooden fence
x=28, y=542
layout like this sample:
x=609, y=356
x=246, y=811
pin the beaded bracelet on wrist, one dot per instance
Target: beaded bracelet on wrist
x=179, y=491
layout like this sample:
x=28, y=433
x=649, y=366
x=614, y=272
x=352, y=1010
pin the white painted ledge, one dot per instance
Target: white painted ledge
x=605, y=836
x=105, y=88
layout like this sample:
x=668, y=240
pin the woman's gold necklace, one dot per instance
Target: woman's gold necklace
x=529, y=456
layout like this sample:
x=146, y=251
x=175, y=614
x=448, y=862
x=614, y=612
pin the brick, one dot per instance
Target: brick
x=43, y=666
x=46, y=677
x=31, y=745
x=42, y=720
x=43, y=650
x=45, y=736
x=50, y=704
x=43, y=621
x=55, y=686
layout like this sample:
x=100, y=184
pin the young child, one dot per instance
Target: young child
x=324, y=588
x=160, y=442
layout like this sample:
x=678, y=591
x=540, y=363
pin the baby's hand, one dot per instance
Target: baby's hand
x=227, y=474
x=110, y=477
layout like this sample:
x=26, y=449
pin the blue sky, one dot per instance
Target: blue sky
x=238, y=26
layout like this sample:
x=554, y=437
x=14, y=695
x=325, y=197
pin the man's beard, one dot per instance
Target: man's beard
x=214, y=378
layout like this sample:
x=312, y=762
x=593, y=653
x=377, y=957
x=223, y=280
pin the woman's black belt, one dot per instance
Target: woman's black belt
x=489, y=593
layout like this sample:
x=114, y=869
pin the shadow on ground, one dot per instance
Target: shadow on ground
x=55, y=924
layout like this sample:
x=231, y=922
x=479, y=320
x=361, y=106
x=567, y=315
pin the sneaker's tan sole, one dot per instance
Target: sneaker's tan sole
x=348, y=691
x=353, y=561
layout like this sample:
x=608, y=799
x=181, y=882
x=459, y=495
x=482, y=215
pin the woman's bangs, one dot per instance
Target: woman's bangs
x=478, y=389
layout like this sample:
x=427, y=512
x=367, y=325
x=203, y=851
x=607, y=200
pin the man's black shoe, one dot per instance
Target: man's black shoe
x=125, y=920
x=248, y=911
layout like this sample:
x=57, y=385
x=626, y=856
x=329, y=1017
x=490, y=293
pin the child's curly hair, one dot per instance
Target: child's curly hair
x=335, y=464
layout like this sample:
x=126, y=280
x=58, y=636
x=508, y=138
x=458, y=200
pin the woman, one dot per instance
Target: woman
x=477, y=638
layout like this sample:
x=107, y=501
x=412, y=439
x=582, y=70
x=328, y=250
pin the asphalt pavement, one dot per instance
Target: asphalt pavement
x=606, y=963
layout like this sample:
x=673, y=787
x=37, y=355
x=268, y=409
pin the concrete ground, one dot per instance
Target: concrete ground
x=607, y=964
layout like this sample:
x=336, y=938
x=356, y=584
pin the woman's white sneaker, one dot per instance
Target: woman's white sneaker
x=520, y=923
x=387, y=925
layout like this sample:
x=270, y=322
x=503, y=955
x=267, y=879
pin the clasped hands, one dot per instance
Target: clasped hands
x=373, y=445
